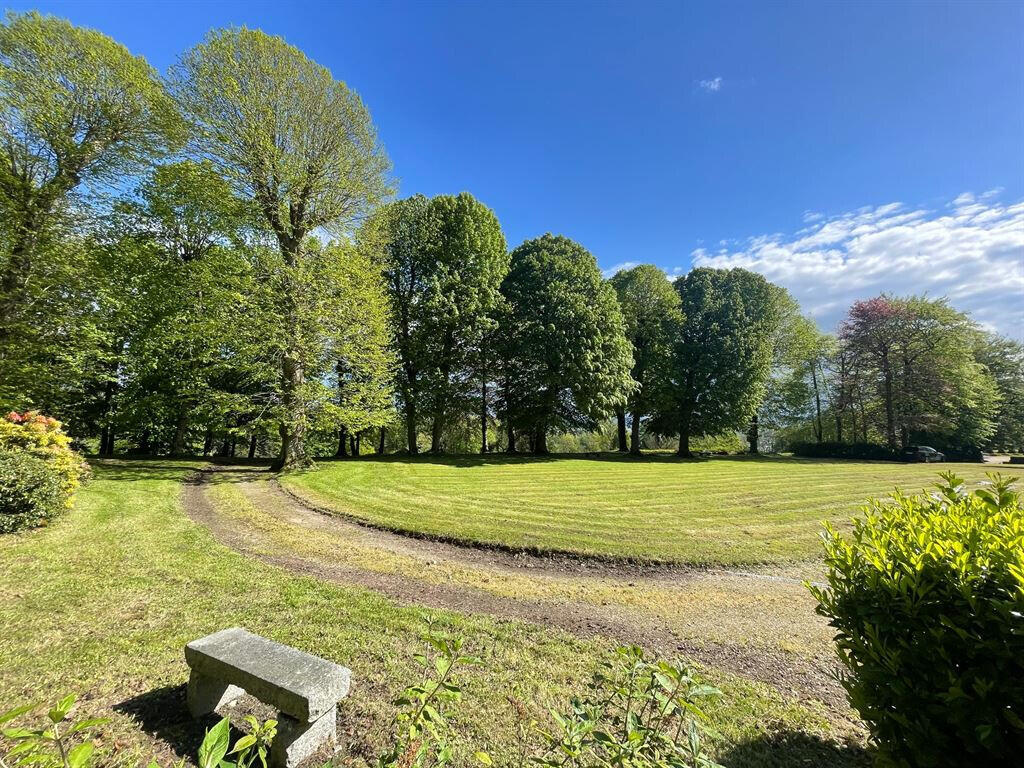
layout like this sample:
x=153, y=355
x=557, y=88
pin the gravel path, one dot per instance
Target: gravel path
x=788, y=672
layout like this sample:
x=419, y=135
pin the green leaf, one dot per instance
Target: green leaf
x=80, y=755
x=215, y=745
x=60, y=711
x=484, y=758
x=10, y=714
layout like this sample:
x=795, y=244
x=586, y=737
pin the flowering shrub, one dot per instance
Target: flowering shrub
x=27, y=497
x=927, y=599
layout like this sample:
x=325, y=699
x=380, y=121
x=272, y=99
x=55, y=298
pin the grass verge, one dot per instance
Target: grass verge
x=728, y=511
x=103, y=601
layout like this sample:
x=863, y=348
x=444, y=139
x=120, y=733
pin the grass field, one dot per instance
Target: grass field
x=102, y=602
x=729, y=511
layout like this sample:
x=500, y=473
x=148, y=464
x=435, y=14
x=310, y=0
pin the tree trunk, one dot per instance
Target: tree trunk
x=634, y=436
x=144, y=448
x=208, y=441
x=511, y=430
x=410, y=426
x=839, y=427
x=436, y=431
x=252, y=446
x=483, y=414
x=684, y=439
x=111, y=436
x=818, y=429
x=342, y=437
x=234, y=445
x=359, y=442
x=620, y=417
x=293, y=427
x=383, y=435
x=180, y=432
x=540, y=441
x=752, y=434
x=890, y=416
x=352, y=445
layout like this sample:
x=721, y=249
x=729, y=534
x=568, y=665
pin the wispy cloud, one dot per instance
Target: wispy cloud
x=971, y=251
x=612, y=270
x=712, y=85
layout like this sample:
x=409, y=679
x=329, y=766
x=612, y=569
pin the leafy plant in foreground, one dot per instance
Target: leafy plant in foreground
x=421, y=725
x=253, y=746
x=59, y=744
x=927, y=598
x=638, y=712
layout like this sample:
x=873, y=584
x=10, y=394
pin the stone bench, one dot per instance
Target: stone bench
x=304, y=688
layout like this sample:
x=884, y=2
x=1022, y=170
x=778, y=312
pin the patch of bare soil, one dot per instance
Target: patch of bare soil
x=789, y=673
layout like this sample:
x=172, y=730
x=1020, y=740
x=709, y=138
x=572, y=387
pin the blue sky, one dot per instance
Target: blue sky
x=778, y=136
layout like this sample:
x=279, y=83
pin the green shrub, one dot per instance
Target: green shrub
x=832, y=450
x=927, y=599
x=31, y=491
x=29, y=500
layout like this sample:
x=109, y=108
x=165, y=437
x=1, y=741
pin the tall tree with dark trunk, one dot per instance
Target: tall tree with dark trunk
x=650, y=308
x=302, y=147
x=446, y=258
x=721, y=354
x=563, y=342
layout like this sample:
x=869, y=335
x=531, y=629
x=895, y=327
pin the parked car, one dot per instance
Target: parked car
x=922, y=453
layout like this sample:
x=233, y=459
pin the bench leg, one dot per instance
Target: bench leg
x=295, y=741
x=205, y=694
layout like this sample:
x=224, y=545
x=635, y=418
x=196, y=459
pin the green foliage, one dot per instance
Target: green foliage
x=248, y=749
x=300, y=146
x=1004, y=361
x=835, y=450
x=564, y=356
x=31, y=493
x=421, y=725
x=42, y=437
x=444, y=260
x=722, y=353
x=638, y=712
x=650, y=309
x=59, y=744
x=726, y=442
x=926, y=596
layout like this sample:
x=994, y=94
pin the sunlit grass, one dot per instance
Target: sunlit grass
x=103, y=601
x=724, y=510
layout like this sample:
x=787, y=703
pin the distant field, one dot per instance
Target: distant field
x=724, y=510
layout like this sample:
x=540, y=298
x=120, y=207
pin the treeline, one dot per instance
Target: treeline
x=211, y=261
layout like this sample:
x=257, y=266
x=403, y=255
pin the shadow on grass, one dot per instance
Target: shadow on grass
x=164, y=715
x=481, y=460
x=795, y=749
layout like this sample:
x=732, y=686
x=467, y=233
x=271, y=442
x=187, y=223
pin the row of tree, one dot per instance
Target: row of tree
x=210, y=261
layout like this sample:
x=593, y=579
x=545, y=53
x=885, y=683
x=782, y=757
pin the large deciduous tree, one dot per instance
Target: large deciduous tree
x=919, y=355
x=446, y=258
x=302, y=147
x=77, y=112
x=650, y=308
x=722, y=354
x=563, y=352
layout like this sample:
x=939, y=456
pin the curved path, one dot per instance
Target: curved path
x=273, y=514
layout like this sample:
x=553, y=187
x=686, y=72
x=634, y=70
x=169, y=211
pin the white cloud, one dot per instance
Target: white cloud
x=972, y=252
x=612, y=270
x=712, y=85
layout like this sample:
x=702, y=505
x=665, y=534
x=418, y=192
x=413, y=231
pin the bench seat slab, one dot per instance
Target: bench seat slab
x=298, y=684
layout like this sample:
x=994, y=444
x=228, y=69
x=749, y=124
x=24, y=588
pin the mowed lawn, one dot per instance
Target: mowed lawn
x=102, y=602
x=729, y=511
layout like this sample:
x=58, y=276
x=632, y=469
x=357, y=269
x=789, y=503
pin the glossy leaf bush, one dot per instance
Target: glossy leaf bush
x=39, y=473
x=927, y=599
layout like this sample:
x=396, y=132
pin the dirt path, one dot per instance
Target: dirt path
x=788, y=672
